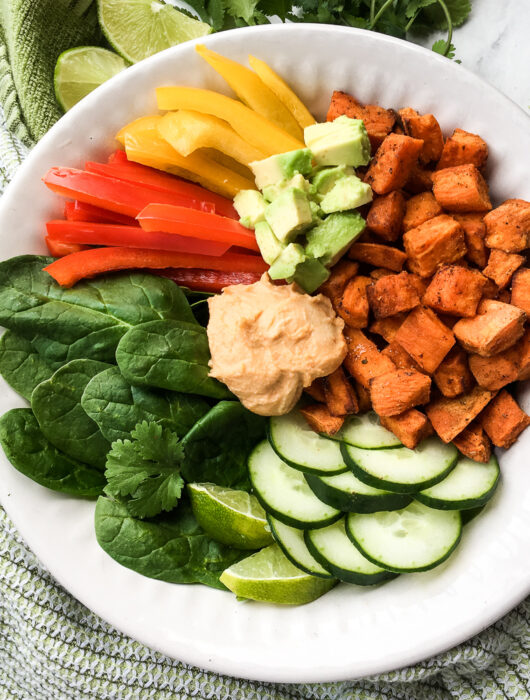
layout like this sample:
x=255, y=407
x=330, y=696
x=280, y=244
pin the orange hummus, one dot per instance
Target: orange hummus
x=269, y=342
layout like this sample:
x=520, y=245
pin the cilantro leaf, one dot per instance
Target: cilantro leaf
x=458, y=9
x=146, y=470
x=241, y=9
x=441, y=47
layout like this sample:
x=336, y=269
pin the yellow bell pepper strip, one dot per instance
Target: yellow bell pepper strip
x=186, y=131
x=250, y=125
x=283, y=92
x=252, y=91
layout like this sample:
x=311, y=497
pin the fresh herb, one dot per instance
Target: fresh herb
x=21, y=365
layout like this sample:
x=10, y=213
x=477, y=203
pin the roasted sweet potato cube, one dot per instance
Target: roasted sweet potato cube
x=364, y=361
x=392, y=295
x=461, y=189
x=377, y=120
x=411, y=427
x=426, y=339
x=420, y=284
x=379, y=272
x=363, y=397
x=521, y=290
x=340, y=396
x=387, y=327
x=341, y=274
x=508, y=226
x=378, y=255
x=455, y=290
x=397, y=391
x=475, y=237
x=453, y=376
x=450, y=416
x=496, y=327
x=420, y=209
x=392, y=164
x=495, y=372
x=352, y=306
x=420, y=180
x=501, y=267
x=474, y=443
x=320, y=419
x=399, y=356
x=423, y=127
x=316, y=390
x=386, y=215
x=504, y=420
x=463, y=148
x=434, y=243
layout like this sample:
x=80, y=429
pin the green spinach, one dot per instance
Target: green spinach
x=21, y=365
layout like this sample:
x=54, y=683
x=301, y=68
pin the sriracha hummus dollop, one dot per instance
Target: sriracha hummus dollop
x=268, y=342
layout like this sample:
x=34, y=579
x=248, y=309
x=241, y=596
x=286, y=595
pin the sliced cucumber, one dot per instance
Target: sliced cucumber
x=347, y=493
x=416, y=538
x=283, y=491
x=469, y=485
x=300, y=447
x=291, y=542
x=332, y=547
x=400, y=469
x=366, y=431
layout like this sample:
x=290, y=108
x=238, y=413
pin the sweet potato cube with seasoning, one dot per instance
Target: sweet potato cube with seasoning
x=434, y=243
x=453, y=376
x=377, y=120
x=426, y=128
x=426, y=339
x=496, y=327
x=455, y=290
x=385, y=217
x=463, y=148
x=339, y=394
x=393, y=162
x=420, y=284
x=387, y=327
x=501, y=267
x=341, y=274
x=316, y=390
x=399, y=356
x=508, y=226
x=475, y=237
x=473, y=443
x=352, y=306
x=320, y=419
x=420, y=209
x=521, y=290
x=504, y=420
x=450, y=416
x=364, y=361
x=420, y=180
x=461, y=189
x=397, y=391
x=496, y=372
x=411, y=427
x=392, y=295
x=378, y=255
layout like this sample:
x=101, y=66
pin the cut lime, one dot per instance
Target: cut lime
x=230, y=516
x=79, y=71
x=268, y=576
x=140, y=28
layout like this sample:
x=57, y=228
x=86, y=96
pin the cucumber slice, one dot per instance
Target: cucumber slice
x=366, y=431
x=347, y=493
x=283, y=491
x=291, y=542
x=400, y=469
x=332, y=547
x=301, y=448
x=469, y=485
x=416, y=538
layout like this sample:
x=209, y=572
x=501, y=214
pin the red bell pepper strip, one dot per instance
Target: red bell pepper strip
x=129, y=237
x=89, y=263
x=60, y=248
x=209, y=280
x=199, y=224
x=79, y=211
x=118, y=156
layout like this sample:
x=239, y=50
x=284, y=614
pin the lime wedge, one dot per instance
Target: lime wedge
x=268, y=576
x=230, y=516
x=79, y=71
x=140, y=28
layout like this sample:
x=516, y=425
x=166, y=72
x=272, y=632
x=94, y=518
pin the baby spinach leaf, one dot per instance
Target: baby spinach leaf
x=218, y=445
x=56, y=404
x=169, y=355
x=34, y=456
x=21, y=365
x=117, y=407
x=170, y=548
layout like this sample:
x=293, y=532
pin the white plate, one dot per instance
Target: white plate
x=349, y=632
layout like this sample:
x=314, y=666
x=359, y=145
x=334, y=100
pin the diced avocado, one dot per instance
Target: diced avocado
x=311, y=274
x=324, y=178
x=343, y=141
x=282, y=166
x=269, y=246
x=328, y=240
x=289, y=214
x=347, y=193
x=286, y=264
x=316, y=211
x=250, y=205
x=272, y=191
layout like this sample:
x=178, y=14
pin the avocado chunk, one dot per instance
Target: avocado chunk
x=343, y=141
x=333, y=236
x=250, y=205
x=286, y=264
x=324, y=178
x=272, y=191
x=310, y=275
x=347, y=193
x=289, y=214
x=269, y=246
x=282, y=166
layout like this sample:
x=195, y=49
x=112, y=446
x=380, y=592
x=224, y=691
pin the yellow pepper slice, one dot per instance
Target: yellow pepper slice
x=250, y=125
x=186, y=131
x=282, y=91
x=252, y=91
x=144, y=144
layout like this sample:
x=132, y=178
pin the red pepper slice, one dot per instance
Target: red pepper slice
x=118, y=156
x=89, y=263
x=79, y=211
x=58, y=249
x=199, y=224
x=209, y=280
x=129, y=237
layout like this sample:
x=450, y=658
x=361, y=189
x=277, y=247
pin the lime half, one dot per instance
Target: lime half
x=268, y=576
x=230, y=516
x=79, y=71
x=140, y=28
